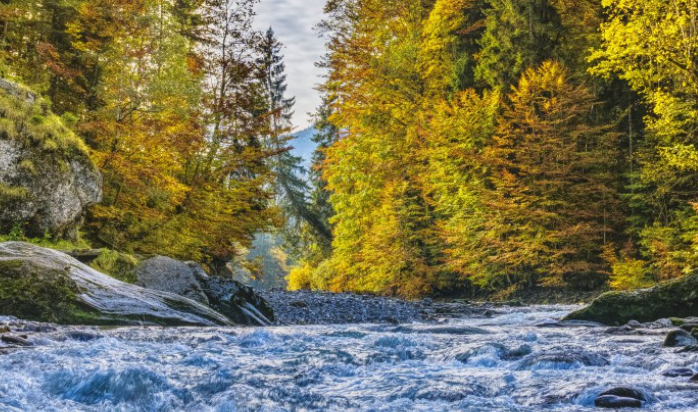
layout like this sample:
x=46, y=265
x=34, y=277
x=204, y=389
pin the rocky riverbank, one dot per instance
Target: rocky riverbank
x=321, y=308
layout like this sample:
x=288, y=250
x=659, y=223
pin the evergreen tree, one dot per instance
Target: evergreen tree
x=551, y=198
x=519, y=34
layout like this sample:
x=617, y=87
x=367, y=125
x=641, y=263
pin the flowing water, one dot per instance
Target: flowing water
x=518, y=360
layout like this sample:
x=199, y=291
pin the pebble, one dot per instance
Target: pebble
x=321, y=308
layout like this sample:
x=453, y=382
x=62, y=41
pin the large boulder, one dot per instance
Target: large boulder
x=238, y=302
x=677, y=298
x=169, y=275
x=49, y=286
x=241, y=304
x=46, y=177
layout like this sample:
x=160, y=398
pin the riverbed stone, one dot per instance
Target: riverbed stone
x=624, y=392
x=674, y=299
x=678, y=372
x=566, y=360
x=15, y=340
x=615, y=402
x=679, y=338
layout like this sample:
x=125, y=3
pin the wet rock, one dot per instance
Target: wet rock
x=15, y=340
x=620, y=330
x=677, y=372
x=238, y=302
x=671, y=299
x=82, y=336
x=634, y=324
x=694, y=378
x=500, y=350
x=679, y=337
x=445, y=330
x=689, y=327
x=170, y=275
x=561, y=361
x=688, y=349
x=615, y=402
x=624, y=392
x=49, y=286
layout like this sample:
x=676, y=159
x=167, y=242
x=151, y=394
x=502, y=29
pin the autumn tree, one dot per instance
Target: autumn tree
x=550, y=196
x=652, y=45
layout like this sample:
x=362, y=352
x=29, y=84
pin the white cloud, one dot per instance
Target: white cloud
x=294, y=22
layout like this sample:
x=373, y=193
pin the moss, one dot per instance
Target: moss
x=116, y=264
x=677, y=299
x=10, y=195
x=28, y=166
x=30, y=121
x=40, y=293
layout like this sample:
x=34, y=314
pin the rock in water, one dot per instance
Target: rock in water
x=238, y=302
x=15, y=340
x=46, y=177
x=678, y=372
x=625, y=393
x=677, y=298
x=169, y=275
x=46, y=285
x=679, y=338
x=615, y=402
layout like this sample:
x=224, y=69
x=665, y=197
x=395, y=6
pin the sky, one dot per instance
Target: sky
x=294, y=22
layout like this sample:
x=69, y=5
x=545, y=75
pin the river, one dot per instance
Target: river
x=520, y=359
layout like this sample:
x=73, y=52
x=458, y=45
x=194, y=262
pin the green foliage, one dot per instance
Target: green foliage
x=16, y=234
x=519, y=34
x=117, y=265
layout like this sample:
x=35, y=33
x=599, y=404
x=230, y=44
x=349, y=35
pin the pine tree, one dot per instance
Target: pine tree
x=551, y=201
x=519, y=34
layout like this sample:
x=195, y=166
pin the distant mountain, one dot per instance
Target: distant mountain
x=303, y=145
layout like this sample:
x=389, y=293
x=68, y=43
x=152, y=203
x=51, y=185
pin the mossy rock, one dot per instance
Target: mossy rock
x=45, y=285
x=675, y=299
x=47, y=179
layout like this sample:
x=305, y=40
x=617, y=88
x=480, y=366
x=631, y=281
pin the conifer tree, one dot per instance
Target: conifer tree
x=519, y=34
x=551, y=201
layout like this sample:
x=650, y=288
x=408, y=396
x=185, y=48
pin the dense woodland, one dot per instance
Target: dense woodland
x=462, y=144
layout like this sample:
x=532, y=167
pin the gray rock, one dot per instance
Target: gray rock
x=50, y=286
x=625, y=393
x=238, y=302
x=566, y=360
x=15, y=340
x=679, y=338
x=173, y=276
x=47, y=180
x=615, y=402
x=677, y=372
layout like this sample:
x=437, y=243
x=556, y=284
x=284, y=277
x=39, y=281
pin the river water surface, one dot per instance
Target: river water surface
x=518, y=360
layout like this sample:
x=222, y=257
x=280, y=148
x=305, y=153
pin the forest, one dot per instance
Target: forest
x=462, y=144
